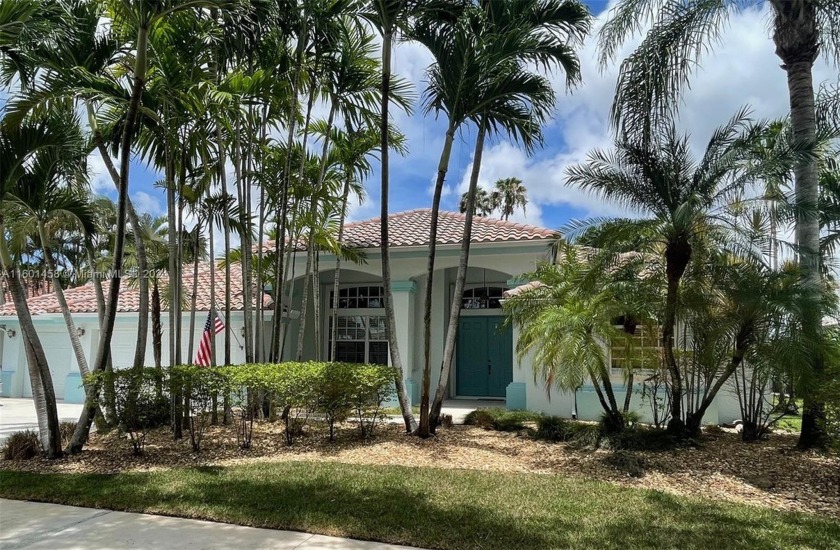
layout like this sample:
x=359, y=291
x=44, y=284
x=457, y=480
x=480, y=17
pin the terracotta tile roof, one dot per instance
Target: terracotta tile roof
x=82, y=299
x=516, y=291
x=411, y=228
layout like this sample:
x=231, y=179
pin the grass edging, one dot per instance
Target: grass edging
x=435, y=508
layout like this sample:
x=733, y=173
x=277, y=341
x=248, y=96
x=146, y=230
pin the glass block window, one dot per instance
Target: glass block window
x=641, y=350
x=359, y=339
x=360, y=297
x=485, y=297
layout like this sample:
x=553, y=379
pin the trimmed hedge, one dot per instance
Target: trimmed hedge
x=335, y=391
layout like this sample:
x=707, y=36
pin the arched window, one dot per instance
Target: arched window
x=483, y=297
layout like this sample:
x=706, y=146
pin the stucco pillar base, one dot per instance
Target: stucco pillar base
x=515, y=396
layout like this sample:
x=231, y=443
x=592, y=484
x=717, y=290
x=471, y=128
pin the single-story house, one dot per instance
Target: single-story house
x=485, y=367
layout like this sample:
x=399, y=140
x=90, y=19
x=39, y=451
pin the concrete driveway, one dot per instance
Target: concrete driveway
x=52, y=526
x=19, y=414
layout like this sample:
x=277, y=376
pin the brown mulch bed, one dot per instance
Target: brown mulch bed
x=768, y=473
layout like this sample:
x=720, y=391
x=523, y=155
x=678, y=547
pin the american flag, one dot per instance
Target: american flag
x=202, y=358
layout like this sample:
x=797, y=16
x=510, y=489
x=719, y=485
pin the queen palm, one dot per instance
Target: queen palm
x=652, y=79
x=511, y=38
x=681, y=199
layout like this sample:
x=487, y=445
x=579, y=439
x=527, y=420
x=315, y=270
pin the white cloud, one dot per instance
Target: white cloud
x=147, y=203
x=742, y=70
x=100, y=179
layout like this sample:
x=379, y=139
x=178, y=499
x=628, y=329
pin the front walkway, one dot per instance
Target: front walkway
x=52, y=526
x=18, y=414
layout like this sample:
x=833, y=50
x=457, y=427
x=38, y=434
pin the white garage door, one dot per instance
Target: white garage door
x=59, y=357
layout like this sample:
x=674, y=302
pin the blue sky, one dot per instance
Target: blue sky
x=742, y=71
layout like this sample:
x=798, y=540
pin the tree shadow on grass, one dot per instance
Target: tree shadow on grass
x=431, y=508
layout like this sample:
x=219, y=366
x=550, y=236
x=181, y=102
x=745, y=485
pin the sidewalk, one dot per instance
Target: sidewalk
x=52, y=526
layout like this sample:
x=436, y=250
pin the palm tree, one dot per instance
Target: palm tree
x=483, y=205
x=511, y=38
x=20, y=147
x=682, y=198
x=511, y=194
x=386, y=16
x=49, y=196
x=568, y=320
x=652, y=79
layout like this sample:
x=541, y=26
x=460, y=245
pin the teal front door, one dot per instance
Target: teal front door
x=485, y=357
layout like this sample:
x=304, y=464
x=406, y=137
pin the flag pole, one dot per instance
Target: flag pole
x=222, y=317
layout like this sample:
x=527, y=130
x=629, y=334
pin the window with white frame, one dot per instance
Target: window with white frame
x=360, y=326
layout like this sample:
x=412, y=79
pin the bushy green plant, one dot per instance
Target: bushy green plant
x=830, y=392
x=198, y=386
x=66, y=429
x=296, y=387
x=23, y=445
x=483, y=418
x=138, y=403
x=611, y=423
x=503, y=420
x=639, y=438
x=335, y=393
x=373, y=385
x=585, y=436
x=553, y=428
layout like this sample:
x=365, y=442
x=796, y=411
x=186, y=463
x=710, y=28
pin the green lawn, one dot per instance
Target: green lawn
x=433, y=507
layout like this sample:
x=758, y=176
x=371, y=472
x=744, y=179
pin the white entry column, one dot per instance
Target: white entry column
x=404, y=298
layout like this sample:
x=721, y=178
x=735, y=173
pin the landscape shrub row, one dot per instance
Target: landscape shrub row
x=293, y=391
x=585, y=435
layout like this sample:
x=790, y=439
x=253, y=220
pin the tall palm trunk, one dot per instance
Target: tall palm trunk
x=139, y=246
x=226, y=231
x=424, y=429
x=460, y=280
x=103, y=351
x=677, y=256
x=40, y=378
x=75, y=343
x=194, y=293
x=238, y=158
x=289, y=268
x=157, y=326
x=259, y=333
x=797, y=38
x=310, y=245
x=304, y=301
x=81, y=360
x=179, y=255
x=316, y=301
x=345, y=195
x=172, y=252
x=313, y=206
x=109, y=391
x=390, y=317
